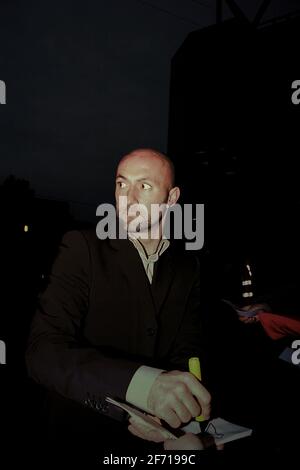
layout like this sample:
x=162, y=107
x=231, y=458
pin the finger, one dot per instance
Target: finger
x=146, y=430
x=134, y=420
x=191, y=405
x=147, y=435
x=135, y=431
x=179, y=407
x=169, y=444
x=220, y=446
x=243, y=319
x=171, y=418
x=200, y=392
x=183, y=412
x=187, y=442
x=154, y=418
x=140, y=425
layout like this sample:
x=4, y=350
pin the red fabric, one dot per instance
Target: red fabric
x=278, y=326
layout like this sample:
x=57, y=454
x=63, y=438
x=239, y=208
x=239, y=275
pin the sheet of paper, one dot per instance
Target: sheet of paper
x=221, y=430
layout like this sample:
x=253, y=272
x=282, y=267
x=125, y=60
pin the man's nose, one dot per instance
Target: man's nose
x=132, y=196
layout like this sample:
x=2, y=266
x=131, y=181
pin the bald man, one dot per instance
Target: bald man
x=121, y=317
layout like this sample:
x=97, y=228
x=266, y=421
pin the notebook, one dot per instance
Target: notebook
x=221, y=430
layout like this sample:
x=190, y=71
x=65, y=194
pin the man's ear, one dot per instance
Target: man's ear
x=174, y=194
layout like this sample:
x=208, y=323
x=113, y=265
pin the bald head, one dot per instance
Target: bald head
x=145, y=177
x=159, y=163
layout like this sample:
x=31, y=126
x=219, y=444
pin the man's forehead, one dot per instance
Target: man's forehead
x=147, y=163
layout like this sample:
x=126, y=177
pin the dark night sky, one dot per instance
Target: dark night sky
x=87, y=82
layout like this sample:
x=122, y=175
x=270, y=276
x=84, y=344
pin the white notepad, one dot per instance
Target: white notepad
x=221, y=430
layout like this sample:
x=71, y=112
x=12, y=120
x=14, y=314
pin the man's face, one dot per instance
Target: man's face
x=145, y=179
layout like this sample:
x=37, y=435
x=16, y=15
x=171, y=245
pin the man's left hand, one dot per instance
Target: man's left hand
x=145, y=431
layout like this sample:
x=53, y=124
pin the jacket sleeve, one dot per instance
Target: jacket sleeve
x=57, y=356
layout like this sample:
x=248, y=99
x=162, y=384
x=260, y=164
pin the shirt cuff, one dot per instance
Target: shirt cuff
x=140, y=385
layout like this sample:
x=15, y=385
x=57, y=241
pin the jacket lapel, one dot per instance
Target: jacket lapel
x=131, y=267
x=162, y=279
x=162, y=303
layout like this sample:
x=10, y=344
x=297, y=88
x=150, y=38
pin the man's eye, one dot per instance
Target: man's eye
x=121, y=184
x=146, y=186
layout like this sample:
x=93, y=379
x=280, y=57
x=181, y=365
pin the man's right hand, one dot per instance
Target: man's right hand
x=177, y=397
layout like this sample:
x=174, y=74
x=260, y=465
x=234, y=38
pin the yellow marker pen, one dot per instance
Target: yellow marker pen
x=195, y=369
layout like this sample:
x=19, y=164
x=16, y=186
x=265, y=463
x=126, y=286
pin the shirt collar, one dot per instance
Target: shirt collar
x=162, y=246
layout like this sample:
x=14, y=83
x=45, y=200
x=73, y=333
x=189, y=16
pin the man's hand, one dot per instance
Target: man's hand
x=145, y=431
x=187, y=442
x=177, y=397
x=256, y=309
x=191, y=442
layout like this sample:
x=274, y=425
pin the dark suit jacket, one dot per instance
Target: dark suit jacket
x=99, y=319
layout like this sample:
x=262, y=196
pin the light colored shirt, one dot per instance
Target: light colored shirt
x=140, y=385
x=149, y=260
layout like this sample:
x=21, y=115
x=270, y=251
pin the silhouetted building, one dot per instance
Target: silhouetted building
x=233, y=134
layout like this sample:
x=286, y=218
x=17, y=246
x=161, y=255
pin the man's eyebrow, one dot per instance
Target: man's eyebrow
x=140, y=179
